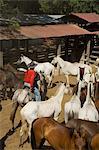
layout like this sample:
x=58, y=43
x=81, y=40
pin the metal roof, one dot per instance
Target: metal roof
x=89, y=17
x=95, y=32
x=52, y=31
x=5, y=34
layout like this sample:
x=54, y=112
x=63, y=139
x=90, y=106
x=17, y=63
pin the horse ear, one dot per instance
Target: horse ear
x=22, y=55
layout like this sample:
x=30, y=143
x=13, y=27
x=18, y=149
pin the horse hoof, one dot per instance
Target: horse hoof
x=20, y=145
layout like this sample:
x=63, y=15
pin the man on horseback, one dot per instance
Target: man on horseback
x=32, y=80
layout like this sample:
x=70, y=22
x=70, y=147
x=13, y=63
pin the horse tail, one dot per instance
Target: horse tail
x=13, y=112
x=33, y=140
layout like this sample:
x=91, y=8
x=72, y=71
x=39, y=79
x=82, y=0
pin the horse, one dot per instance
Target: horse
x=9, y=81
x=72, y=107
x=96, y=89
x=89, y=108
x=45, y=67
x=95, y=142
x=24, y=95
x=57, y=135
x=88, y=130
x=69, y=68
x=33, y=110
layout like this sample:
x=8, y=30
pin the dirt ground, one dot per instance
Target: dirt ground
x=10, y=140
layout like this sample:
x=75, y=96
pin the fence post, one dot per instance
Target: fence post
x=88, y=52
x=1, y=59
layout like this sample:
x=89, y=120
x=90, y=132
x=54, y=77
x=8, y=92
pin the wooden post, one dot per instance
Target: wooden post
x=59, y=50
x=58, y=54
x=66, y=48
x=1, y=59
x=27, y=45
x=88, y=52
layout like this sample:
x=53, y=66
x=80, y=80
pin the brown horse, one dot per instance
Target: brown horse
x=57, y=135
x=95, y=142
x=87, y=129
x=9, y=79
x=96, y=98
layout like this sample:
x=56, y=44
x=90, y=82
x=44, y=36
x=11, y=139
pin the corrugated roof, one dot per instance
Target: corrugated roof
x=96, y=32
x=52, y=31
x=89, y=17
x=5, y=34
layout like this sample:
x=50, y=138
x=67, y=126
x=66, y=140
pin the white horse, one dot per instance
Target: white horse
x=45, y=67
x=69, y=68
x=20, y=98
x=97, y=74
x=89, y=111
x=34, y=110
x=71, y=108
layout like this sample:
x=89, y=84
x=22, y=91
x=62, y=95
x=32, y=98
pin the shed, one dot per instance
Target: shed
x=83, y=19
x=72, y=38
x=60, y=30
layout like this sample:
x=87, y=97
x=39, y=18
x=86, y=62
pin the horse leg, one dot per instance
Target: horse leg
x=13, y=112
x=56, y=114
x=49, y=81
x=29, y=132
x=68, y=84
x=66, y=117
x=23, y=131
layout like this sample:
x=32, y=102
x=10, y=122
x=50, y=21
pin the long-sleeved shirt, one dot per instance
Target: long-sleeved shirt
x=30, y=77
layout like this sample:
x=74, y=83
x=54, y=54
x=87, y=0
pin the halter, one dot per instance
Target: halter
x=32, y=64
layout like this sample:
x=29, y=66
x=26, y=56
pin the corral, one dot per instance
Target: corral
x=40, y=43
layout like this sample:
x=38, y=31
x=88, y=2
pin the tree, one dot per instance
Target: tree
x=67, y=6
x=9, y=13
x=51, y=6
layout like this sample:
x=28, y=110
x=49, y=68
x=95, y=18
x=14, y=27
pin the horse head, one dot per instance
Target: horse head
x=23, y=59
x=54, y=61
x=18, y=62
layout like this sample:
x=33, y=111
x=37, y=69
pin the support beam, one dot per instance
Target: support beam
x=1, y=59
x=88, y=52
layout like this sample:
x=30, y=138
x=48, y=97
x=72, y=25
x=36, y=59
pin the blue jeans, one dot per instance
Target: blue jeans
x=37, y=95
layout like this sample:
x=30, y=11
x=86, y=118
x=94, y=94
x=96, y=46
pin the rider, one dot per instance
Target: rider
x=37, y=88
x=30, y=80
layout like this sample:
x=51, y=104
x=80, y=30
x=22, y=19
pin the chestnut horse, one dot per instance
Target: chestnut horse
x=97, y=95
x=57, y=135
x=89, y=131
x=95, y=142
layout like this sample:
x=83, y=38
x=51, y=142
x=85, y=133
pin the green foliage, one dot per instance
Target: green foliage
x=8, y=13
x=67, y=6
x=51, y=6
x=13, y=24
